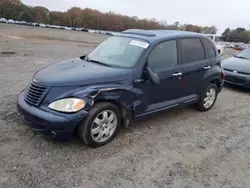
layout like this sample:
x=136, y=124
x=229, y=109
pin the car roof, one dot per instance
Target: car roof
x=155, y=35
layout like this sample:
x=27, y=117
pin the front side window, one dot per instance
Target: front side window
x=192, y=50
x=163, y=56
x=119, y=51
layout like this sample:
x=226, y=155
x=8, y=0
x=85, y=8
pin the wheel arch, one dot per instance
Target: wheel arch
x=126, y=112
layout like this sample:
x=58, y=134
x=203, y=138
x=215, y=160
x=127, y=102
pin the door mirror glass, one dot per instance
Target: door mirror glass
x=153, y=77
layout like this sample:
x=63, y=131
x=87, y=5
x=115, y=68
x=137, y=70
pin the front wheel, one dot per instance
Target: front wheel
x=101, y=125
x=208, y=97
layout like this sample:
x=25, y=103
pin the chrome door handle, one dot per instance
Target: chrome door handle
x=139, y=81
x=177, y=74
x=207, y=67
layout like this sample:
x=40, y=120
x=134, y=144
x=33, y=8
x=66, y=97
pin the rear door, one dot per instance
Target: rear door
x=194, y=66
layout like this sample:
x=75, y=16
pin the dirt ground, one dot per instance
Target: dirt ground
x=183, y=148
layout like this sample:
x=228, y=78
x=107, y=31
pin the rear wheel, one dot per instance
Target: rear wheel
x=208, y=97
x=101, y=125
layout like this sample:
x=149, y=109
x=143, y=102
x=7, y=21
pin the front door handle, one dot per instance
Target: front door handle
x=139, y=81
x=207, y=67
x=177, y=74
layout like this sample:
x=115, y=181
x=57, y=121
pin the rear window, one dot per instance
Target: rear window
x=210, y=48
x=192, y=50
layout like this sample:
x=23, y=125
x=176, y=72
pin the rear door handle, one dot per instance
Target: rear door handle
x=207, y=67
x=177, y=74
x=139, y=81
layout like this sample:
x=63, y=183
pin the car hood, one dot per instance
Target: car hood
x=75, y=72
x=237, y=64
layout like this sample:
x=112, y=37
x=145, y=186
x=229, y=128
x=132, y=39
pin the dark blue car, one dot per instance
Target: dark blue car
x=128, y=76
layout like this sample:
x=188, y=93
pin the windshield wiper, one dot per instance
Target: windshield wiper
x=241, y=57
x=99, y=62
x=95, y=61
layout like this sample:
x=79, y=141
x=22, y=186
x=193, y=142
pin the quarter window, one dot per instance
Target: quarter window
x=163, y=56
x=210, y=49
x=192, y=50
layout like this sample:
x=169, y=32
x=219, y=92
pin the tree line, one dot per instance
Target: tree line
x=89, y=18
x=94, y=19
x=236, y=35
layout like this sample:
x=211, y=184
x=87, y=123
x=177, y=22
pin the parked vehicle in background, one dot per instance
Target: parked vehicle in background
x=67, y=28
x=33, y=24
x=240, y=47
x=126, y=77
x=42, y=25
x=10, y=21
x=3, y=20
x=237, y=69
x=85, y=30
x=220, y=47
x=17, y=22
x=56, y=26
x=24, y=23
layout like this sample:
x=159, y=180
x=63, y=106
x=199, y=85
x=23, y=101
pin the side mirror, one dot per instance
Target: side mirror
x=153, y=77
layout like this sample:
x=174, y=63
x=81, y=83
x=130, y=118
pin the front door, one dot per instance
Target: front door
x=163, y=60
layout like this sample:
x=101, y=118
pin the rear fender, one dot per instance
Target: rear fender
x=213, y=74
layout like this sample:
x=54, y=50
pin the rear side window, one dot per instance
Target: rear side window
x=192, y=50
x=210, y=48
x=163, y=56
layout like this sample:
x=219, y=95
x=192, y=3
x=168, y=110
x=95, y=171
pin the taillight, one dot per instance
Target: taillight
x=222, y=75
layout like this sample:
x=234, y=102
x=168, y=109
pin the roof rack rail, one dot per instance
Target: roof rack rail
x=139, y=32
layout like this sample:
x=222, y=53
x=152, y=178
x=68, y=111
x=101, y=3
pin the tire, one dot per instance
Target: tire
x=201, y=103
x=86, y=129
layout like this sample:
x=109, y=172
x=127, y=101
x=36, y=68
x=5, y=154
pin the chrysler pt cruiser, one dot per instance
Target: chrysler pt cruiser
x=134, y=74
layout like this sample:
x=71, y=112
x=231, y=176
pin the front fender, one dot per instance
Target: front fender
x=123, y=95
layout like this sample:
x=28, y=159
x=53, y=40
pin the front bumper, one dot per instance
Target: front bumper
x=54, y=125
x=237, y=79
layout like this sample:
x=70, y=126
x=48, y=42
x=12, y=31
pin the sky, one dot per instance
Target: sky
x=221, y=13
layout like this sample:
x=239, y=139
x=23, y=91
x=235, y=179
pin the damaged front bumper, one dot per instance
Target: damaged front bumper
x=54, y=125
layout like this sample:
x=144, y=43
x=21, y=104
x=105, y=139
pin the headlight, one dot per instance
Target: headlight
x=67, y=105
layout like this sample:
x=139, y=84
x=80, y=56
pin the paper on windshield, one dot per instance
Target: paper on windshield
x=139, y=43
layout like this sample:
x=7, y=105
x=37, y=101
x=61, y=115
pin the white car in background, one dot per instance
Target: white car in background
x=42, y=25
x=3, y=20
x=10, y=21
x=24, y=23
x=67, y=28
x=220, y=47
x=17, y=22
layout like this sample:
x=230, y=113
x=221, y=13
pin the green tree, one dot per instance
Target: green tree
x=41, y=14
x=26, y=15
x=225, y=34
x=92, y=19
x=238, y=35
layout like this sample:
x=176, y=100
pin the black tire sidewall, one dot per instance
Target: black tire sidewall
x=85, y=127
x=201, y=101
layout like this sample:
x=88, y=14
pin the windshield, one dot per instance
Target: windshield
x=119, y=51
x=244, y=54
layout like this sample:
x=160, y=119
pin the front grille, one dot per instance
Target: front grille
x=239, y=72
x=235, y=79
x=35, y=94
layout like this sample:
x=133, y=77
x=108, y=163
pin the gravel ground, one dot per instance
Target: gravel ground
x=180, y=148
